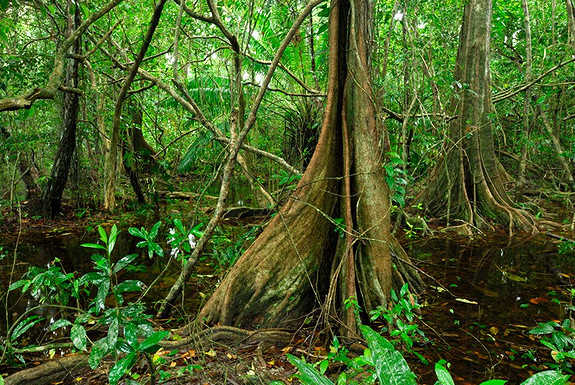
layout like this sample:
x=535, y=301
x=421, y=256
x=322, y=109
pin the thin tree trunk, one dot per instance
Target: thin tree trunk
x=111, y=160
x=52, y=195
x=521, y=179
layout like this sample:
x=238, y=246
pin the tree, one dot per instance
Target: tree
x=52, y=194
x=467, y=184
x=331, y=241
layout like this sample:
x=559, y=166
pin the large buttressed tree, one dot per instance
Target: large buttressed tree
x=467, y=184
x=331, y=241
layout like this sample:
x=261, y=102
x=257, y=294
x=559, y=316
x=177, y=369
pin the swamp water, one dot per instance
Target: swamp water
x=483, y=296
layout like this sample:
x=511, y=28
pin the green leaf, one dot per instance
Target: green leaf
x=494, y=382
x=123, y=262
x=103, y=290
x=390, y=366
x=24, y=326
x=152, y=341
x=78, y=336
x=120, y=367
x=17, y=284
x=308, y=374
x=549, y=377
x=60, y=324
x=131, y=334
x=93, y=246
x=113, y=331
x=136, y=232
x=154, y=231
x=543, y=328
x=129, y=285
x=98, y=351
x=443, y=375
x=112, y=239
x=103, y=235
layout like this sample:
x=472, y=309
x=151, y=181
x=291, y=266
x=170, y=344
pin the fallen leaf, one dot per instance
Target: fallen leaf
x=189, y=353
x=466, y=301
x=494, y=330
x=539, y=300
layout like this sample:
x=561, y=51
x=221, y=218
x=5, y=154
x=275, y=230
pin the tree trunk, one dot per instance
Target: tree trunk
x=466, y=184
x=52, y=195
x=284, y=274
x=521, y=176
x=111, y=159
x=32, y=190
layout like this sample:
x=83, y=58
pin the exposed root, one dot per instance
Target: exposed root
x=230, y=336
x=53, y=371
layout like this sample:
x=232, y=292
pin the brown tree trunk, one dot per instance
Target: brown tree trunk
x=467, y=185
x=285, y=273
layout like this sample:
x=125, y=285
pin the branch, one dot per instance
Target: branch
x=291, y=74
x=510, y=93
x=318, y=95
x=55, y=80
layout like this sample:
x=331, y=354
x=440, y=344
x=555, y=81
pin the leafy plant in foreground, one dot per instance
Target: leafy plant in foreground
x=400, y=319
x=381, y=362
x=560, y=339
x=128, y=333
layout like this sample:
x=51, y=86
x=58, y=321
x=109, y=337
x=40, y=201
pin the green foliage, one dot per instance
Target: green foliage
x=48, y=285
x=560, y=340
x=126, y=323
x=198, y=151
x=227, y=248
x=381, y=362
x=183, y=240
x=566, y=247
x=401, y=318
x=148, y=239
x=396, y=178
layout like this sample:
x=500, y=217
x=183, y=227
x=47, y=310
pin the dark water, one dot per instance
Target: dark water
x=486, y=295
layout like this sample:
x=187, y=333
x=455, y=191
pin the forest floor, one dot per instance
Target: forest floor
x=484, y=294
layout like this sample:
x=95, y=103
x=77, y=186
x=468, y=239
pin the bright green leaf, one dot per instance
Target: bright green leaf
x=549, y=377
x=78, y=336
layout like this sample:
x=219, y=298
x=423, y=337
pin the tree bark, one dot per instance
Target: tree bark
x=284, y=274
x=51, y=199
x=466, y=184
x=521, y=176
